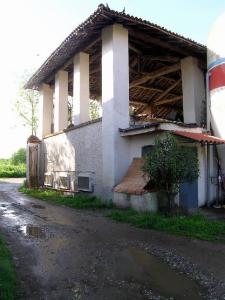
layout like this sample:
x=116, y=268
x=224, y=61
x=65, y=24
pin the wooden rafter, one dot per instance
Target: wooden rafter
x=146, y=38
x=171, y=100
x=133, y=48
x=154, y=74
x=167, y=91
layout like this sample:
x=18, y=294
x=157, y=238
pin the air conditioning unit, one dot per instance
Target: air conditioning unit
x=64, y=182
x=48, y=179
x=85, y=182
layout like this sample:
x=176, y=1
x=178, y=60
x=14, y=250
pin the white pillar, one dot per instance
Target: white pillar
x=193, y=86
x=46, y=110
x=61, y=101
x=115, y=105
x=81, y=88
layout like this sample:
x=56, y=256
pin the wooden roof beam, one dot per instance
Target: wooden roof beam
x=167, y=58
x=133, y=48
x=167, y=91
x=171, y=100
x=154, y=74
x=156, y=41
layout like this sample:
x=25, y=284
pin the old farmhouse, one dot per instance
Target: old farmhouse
x=148, y=81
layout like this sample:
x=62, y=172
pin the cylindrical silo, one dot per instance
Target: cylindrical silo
x=216, y=82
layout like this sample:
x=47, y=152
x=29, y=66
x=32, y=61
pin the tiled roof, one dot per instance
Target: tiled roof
x=200, y=137
x=87, y=31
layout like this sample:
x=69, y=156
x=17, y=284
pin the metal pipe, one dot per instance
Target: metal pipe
x=208, y=183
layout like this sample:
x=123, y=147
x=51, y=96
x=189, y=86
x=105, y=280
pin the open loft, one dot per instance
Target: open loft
x=166, y=71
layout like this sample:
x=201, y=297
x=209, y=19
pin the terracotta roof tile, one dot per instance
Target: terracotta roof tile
x=134, y=181
x=200, y=137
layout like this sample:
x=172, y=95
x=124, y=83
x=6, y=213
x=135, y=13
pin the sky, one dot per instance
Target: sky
x=31, y=29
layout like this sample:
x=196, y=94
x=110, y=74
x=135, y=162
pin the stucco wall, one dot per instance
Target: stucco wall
x=77, y=150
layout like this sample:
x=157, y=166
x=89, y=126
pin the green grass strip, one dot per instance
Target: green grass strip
x=7, y=274
x=196, y=226
x=79, y=200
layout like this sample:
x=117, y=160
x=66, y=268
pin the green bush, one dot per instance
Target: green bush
x=7, y=169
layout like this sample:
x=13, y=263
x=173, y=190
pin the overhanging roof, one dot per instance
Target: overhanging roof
x=200, y=137
x=87, y=32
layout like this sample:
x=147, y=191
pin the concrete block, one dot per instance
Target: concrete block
x=121, y=200
x=147, y=202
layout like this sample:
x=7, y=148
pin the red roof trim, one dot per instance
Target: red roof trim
x=200, y=137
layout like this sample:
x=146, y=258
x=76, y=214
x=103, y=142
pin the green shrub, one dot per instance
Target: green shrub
x=9, y=170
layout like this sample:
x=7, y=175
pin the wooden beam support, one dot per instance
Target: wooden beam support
x=92, y=44
x=167, y=91
x=95, y=70
x=171, y=100
x=146, y=38
x=133, y=48
x=171, y=59
x=154, y=74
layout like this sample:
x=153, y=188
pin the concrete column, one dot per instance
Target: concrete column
x=193, y=86
x=115, y=105
x=61, y=101
x=46, y=110
x=81, y=88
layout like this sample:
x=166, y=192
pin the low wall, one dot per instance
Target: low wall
x=146, y=202
x=78, y=149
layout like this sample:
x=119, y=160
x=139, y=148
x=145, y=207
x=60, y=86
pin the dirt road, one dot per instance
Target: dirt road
x=63, y=253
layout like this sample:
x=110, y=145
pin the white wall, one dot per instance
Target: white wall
x=76, y=150
x=202, y=180
x=193, y=87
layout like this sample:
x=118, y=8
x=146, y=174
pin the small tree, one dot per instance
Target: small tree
x=26, y=106
x=168, y=164
x=19, y=157
x=94, y=109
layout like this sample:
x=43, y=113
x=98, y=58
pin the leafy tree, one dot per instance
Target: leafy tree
x=26, y=106
x=94, y=107
x=19, y=157
x=168, y=164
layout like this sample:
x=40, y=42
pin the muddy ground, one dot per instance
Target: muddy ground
x=63, y=253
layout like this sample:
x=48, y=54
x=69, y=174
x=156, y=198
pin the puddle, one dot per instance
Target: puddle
x=38, y=206
x=9, y=214
x=138, y=266
x=33, y=231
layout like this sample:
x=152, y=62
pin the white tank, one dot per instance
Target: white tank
x=216, y=81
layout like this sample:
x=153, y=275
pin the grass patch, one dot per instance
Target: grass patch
x=196, y=226
x=80, y=200
x=7, y=274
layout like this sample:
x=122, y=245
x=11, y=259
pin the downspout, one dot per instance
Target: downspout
x=208, y=183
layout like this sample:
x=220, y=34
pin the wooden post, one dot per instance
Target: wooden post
x=33, y=146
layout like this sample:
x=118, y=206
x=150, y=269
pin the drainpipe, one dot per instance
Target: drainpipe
x=208, y=183
x=208, y=113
